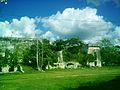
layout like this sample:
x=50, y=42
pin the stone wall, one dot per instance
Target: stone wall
x=95, y=51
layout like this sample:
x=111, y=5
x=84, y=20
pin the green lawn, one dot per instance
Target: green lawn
x=82, y=79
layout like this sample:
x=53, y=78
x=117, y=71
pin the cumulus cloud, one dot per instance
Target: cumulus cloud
x=25, y=27
x=50, y=36
x=115, y=35
x=83, y=23
x=117, y=32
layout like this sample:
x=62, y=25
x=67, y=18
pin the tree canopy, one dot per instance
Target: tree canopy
x=39, y=53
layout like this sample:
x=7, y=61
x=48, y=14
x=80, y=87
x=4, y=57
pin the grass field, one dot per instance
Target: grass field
x=80, y=79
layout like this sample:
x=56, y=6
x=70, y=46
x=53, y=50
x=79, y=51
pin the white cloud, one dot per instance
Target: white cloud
x=115, y=35
x=84, y=23
x=25, y=27
x=50, y=36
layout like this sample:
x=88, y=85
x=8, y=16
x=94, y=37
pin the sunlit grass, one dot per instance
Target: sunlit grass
x=57, y=79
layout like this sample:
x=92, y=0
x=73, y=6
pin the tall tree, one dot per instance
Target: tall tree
x=109, y=52
x=74, y=49
x=49, y=54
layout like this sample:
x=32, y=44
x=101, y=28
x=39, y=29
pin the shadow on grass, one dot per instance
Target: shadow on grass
x=110, y=85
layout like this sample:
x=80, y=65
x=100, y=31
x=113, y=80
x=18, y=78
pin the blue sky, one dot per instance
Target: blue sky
x=44, y=10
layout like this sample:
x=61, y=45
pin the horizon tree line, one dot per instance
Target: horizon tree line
x=39, y=53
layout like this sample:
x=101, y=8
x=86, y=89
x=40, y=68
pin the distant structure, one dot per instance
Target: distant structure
x=60, y=63
x=95, y=51
x=9, y=43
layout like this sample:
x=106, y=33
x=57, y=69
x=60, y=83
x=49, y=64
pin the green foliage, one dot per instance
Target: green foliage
x=73, y=50
x=29, y=57
x=1, y=61
x=110, y=53
x=46, y=54
x=29, y=52
x=59, y=45
x=49, y=54
x=90, y=58
x=87, y=58
x=74, y=45
x=105, y=43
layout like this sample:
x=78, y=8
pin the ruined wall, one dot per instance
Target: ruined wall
x=95, y=51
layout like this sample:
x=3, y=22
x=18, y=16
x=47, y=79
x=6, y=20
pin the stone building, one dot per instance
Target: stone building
x=60, y=63
x=95, y=51
x=9, y=44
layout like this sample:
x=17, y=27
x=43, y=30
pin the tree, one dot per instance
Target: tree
x=87, y=58
x=49, y=54
x=109, y=52
x=74, y=50
x=105, y=43
x=59, y=45
x=39, y=54
x=30, y=54
x=1, y=60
